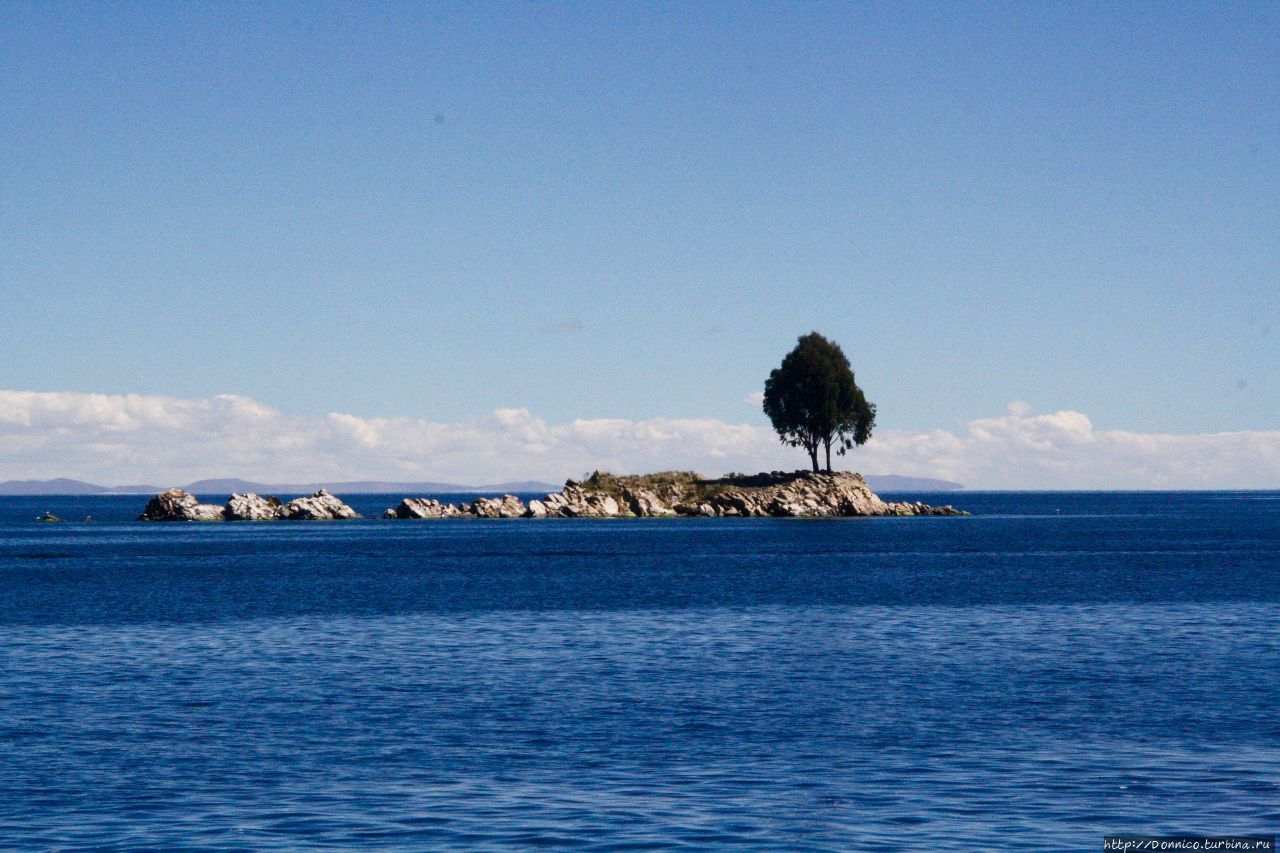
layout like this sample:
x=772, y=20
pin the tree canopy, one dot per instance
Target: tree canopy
x=814, y=402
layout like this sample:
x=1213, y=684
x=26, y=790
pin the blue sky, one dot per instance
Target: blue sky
x=630, y=211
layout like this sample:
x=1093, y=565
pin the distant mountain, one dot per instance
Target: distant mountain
x=897, y=483
x=60, y=486
x=225, y=486
x=231, y=485
x=356, y=487
x=228, y=485
x=519, y=486
x=371, y=487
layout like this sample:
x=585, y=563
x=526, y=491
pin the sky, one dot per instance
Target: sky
x=499, y=241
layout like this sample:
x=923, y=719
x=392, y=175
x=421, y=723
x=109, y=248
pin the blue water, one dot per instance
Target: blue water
x=1054, y=668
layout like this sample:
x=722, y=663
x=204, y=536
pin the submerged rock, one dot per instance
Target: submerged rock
x=179, y=505
x=48, y=516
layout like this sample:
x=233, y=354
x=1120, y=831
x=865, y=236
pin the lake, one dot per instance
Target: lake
x=1056, y=667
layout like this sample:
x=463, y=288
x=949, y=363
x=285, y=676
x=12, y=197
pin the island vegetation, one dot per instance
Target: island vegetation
x=813, y=401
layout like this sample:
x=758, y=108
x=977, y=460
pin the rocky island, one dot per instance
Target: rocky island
x=798, y=494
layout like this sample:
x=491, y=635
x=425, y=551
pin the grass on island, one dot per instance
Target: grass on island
x=689, y=484
x=612, y=484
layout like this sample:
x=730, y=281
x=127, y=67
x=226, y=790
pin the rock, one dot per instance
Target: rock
x=554, y=504
x=178, y=505
x=423, y=508
x=570, y=503
x=644, y=503
x=250, y=507
x=320, y=506
x=578, y=502
x=537, y=509
x=802, y=495
x=507, y=506
x=48, y=516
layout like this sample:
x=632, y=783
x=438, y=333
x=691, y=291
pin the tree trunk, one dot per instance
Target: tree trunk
x=813, y=457
x=828, y=445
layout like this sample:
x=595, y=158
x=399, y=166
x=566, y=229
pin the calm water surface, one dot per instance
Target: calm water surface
x=1056, y=667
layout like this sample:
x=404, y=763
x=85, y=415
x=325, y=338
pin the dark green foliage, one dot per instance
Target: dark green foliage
x=813, y=401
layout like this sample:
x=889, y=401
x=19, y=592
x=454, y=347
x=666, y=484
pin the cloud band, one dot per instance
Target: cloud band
x=115, y=439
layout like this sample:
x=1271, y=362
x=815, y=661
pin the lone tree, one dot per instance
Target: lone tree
x=813, y=401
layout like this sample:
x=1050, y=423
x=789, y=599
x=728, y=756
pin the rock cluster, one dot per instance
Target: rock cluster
x=423, y=508
x=507, y=506
x=178, y=505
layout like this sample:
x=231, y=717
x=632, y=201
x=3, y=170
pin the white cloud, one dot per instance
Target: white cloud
x=754, y=399
x=1020, y=407
x=1063, y=450
x=165, y=440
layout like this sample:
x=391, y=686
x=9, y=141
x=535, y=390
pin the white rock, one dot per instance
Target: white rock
x=320, y=506
x=251, y=507
x=179, y=505
x=507, y=506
